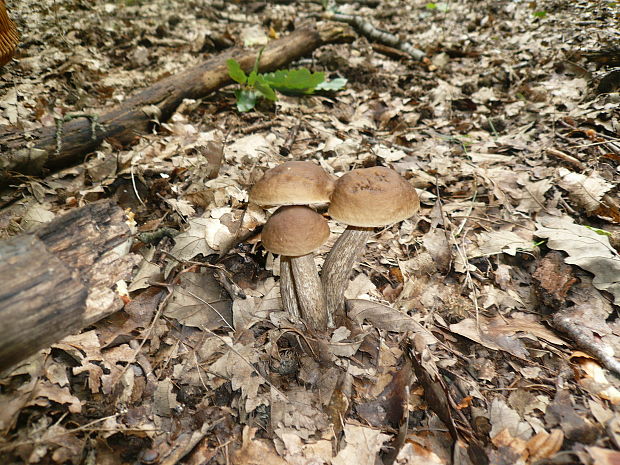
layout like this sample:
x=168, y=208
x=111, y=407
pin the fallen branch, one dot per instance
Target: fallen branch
x=553, y=279
x=51, y=148
x=371, y=32
x=57, y=280
x=584, y=338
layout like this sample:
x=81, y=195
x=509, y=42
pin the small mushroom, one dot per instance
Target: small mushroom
x=8, y=36
x=295, y=232
x=292, y=183
x=362, y=199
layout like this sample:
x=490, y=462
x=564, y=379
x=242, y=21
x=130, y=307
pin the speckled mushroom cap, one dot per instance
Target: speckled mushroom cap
x=372, y=197
x=293, y=183
x=294, y=231
x=8, y=36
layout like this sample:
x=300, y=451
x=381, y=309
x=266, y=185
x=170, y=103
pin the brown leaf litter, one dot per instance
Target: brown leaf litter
x=483, y=330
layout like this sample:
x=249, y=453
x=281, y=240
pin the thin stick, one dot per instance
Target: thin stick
x=368, y=30
x=586, y=341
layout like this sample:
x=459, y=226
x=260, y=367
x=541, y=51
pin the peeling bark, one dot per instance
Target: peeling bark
x=58, y=279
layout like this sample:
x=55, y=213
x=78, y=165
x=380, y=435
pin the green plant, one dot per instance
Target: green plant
x=441, y=6
x=539, y=14
x=600, y=232
x=289, y=81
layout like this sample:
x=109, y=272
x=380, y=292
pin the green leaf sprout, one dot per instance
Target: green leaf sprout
x=287, y=81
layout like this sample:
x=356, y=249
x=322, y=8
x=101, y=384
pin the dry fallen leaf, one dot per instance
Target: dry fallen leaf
x=361, y=446
x=504, y=333
x=199, y=300
x=496, y=242
x=602, y=456
x=504, y=419
x=385, y=317
x=586, y=249
x=586, y=191
x=255, y=451
x=191, y=242
x=595, y=378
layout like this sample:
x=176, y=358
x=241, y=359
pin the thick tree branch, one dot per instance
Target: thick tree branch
x=50, y=148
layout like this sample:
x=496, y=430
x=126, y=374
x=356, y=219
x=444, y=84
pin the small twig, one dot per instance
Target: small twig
x=228, y=283
x=469, y=281
x=566, y=157
x=290, y=140
x=256, y=127
x=494, y=219
x=67, y=432
x=135, y=188
x=177, y=455
x=368, y=30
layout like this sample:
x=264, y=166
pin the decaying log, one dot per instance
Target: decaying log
x=58, y=147
x=57, y=280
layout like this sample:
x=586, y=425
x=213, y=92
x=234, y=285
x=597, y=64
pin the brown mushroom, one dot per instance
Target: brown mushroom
x=295, y=232
x=363, y=199
x=292, y=183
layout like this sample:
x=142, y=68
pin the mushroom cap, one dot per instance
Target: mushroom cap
x=371, y=197
x=294, y=231
x=293, y=183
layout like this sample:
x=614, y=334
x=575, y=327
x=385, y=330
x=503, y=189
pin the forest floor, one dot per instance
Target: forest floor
x=461, y=345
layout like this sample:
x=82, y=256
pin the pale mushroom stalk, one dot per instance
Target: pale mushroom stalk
x=337, y=268
x=310, y=296
x=287, y=289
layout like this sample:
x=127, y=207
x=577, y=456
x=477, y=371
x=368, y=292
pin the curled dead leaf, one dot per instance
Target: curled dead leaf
x=544, y=445
x=255, y=451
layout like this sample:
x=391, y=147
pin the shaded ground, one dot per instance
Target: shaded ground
x=504, y=130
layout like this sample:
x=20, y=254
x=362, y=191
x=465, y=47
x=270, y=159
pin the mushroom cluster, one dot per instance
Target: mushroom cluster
x=362, y=199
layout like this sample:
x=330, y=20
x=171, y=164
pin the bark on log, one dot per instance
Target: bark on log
x=57, y=280
x=48, y=149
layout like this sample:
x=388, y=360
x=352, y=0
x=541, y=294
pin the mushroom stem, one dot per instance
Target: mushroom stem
x=309, y=290
x=287, y=289
x=337, y=268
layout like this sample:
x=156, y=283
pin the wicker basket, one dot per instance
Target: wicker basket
x=8, y=36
